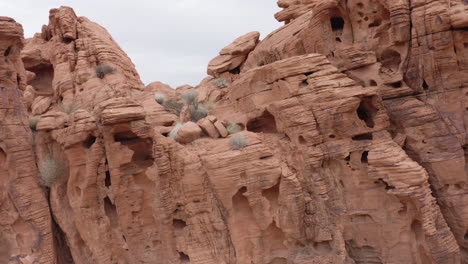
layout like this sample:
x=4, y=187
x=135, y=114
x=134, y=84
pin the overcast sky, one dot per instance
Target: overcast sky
x=168, y=40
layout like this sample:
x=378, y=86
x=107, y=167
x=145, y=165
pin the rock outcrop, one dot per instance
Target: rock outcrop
x=338, y=138
x=26, y=231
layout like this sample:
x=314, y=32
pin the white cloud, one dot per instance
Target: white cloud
x=168, y=41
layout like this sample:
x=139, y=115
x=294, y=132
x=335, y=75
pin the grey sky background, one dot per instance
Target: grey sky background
x=169, y=41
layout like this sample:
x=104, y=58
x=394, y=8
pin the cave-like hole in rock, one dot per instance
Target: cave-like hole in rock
x=67, y=40
x=466, y=236
x=425, y=86
x=265, y=123
x=367, y=136
x=396, y=84
x=142, y=150
x=184, y=257
x=372, y=83
x=179, y=224
x=364, y=157
x=338, y=39
x=337, y=23
x=44, y=77
x=367, y=111
x=7, y=52
x=89, y=141
x=390, y=59
x=125, y=136
x=377, y=22
x=235, y=70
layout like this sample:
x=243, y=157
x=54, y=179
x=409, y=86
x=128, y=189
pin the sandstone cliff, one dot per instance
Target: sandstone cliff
x=351, y=149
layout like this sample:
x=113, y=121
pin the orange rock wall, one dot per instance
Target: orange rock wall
x=354, y=117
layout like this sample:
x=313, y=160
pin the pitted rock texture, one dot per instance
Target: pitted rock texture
x=25, y=220
x=353, y=129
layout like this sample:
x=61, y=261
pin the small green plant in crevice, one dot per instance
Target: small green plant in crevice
x=50, y=169
x=103, y=70
x=233, y=128
x=173, y=105
x=238, y=141
x=33, y=120
x=221, y=83
x=160, y=98
x=175, y=130
x=190, y=97
x=67, y=108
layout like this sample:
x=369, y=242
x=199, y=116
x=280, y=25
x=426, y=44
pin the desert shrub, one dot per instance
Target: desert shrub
x=102, y=70
x=238, y=141
x=174, y=131
x=233, y=128
x=197, y=112
x=160, y=98
x=190, y=97
x=50, y=170
x=173, y=105
x=68, y=109
x=33, y=120
x=221, y=83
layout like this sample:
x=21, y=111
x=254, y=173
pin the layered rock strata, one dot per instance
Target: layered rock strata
x=353, y=143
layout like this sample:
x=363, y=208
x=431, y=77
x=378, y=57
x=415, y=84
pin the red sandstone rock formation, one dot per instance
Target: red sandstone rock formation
x=353, y=147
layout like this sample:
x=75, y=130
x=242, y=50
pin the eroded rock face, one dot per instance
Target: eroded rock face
x=352, y=120
x=25, y=220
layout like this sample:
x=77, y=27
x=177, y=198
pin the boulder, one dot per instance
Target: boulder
x=188, y=133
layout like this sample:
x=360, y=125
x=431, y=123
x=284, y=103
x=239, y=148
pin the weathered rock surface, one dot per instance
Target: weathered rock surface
x=25, y=221
x=354, y=119
x=233, y=55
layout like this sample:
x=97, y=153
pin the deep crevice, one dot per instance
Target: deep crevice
x=107, y=181
x=61, y=245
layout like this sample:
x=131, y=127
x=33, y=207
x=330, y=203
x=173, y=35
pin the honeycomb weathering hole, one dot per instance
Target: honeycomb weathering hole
x=265, y=123
x=367, y=111
x=44, y=77
x=390, y=59
x=337, y=23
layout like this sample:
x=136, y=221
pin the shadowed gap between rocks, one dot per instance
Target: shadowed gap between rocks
x=61, y=245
